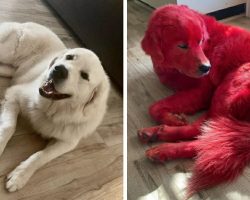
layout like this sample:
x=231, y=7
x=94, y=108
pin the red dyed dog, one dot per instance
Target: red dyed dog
x=200, y=58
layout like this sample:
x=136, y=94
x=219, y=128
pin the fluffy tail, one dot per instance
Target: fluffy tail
x=223, y=152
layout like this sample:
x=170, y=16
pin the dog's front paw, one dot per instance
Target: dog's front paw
x=149, y=134
x=156, y=155
x=18, y=178
x=173, y=119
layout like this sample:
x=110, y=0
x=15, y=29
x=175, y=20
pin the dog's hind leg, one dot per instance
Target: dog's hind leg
x=170, y=151
x=170, y=133
x=9, y=114
x=10, y=34
x=169, y=110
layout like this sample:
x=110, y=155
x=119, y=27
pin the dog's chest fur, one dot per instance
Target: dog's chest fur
x=52, y=122
x=46, y=126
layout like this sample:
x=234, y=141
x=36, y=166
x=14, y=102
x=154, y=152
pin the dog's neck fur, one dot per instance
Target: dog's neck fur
x=216, y=31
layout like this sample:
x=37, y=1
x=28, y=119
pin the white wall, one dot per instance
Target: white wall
x=204, y=6
x=158, y=3
x=207, y=6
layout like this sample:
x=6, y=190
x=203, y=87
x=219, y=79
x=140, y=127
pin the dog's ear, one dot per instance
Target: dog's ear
x=52, y=62
x=99, y=93
x=151, y=46
x=92, y=96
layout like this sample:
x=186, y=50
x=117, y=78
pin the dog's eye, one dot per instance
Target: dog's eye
x=84, y=75
x=183, y=46
x=70, y=57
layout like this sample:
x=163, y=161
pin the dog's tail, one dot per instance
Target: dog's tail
x=223, y=152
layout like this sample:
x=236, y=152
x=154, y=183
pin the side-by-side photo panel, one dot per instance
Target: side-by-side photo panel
x=188, y=100
x=61, y=92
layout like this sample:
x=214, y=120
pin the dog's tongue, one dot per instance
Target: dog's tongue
x=48, y=87
x=48, y=91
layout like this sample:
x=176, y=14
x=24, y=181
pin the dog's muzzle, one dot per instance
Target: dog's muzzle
x=204, y=69
x=59, y=73
x=48, y=90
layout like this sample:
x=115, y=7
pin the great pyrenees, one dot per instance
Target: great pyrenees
x=62, y=92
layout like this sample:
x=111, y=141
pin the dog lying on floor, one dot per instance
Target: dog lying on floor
x=193, y=53
x=59, y=90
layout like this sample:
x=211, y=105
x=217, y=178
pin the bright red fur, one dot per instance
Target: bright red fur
x=222, y=150
x=225, y=47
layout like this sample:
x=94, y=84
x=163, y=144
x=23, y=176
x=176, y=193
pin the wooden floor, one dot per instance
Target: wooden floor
x=93, y=171
x=167, y=181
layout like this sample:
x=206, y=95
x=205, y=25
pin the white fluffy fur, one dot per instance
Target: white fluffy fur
x=30, y=49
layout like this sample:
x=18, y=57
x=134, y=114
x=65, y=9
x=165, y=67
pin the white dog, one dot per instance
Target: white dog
x=62, y=92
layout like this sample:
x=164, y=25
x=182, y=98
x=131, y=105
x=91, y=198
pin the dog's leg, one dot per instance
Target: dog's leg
x=10, y=34
x=168, y=133
x=169, y=110
x=169, y=151
x=10, y=111
x=21, y=174
x=171, y=133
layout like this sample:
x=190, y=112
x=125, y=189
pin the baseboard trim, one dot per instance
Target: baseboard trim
x=229, y=12
x=219, y=14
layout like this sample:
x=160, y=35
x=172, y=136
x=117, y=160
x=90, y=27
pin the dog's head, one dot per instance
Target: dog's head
x=175, y=38
x=74, y=75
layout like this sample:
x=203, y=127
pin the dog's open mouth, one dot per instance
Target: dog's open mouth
x=48, y=91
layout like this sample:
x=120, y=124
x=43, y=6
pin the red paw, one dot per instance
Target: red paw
x=147, y=135
x=156, y=155
x=172, y=119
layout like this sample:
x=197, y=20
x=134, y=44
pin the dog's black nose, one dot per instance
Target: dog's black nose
x=59, y=73
x=204, y=68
